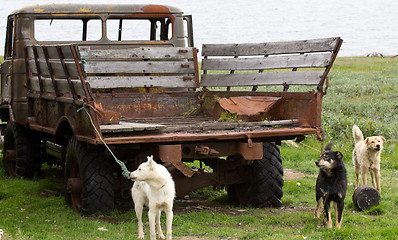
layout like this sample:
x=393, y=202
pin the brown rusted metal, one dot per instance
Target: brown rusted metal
x=170, y=153
x=89, y=98
x=205, y=150
x=251, y=151
x=336, y=50
x=247, y=107
x=196, y=65
x=268, y=135
x=74, y=185
x=184, y=169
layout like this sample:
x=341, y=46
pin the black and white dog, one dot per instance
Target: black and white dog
x=331, y=185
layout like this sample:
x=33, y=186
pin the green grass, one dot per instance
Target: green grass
x=362, y=91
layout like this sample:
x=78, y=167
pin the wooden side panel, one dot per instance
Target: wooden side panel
x=271, y=48
x=275, y=63
x=61, y=85
x=261, y=79
x=264, y=63
x=183, y=81
x=57, y=69
x=132, y=67
x=135, y=53
x=144, y=67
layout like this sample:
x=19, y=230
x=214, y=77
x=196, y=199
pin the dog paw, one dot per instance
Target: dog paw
x=161, y=236
x=140, y=236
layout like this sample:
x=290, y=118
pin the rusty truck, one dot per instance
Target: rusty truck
x=125, y=81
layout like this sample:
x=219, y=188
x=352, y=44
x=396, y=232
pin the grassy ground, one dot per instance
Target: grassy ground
x=362, y=91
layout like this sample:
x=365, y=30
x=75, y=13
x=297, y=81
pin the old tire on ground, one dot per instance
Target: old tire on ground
x=26, y=147
x=264, y=188
x=89, y=179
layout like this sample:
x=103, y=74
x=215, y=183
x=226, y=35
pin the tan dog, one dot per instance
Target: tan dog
x=366, y=157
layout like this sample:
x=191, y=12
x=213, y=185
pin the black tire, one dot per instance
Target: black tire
x=94, y=171
x=27, y=147
x=264, y=187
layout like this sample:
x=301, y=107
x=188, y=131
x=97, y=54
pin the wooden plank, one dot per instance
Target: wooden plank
x=270, y=48
x=62, y=84
x=130, y=127
x=52, y=51
x=57, y=68
x=128, y=67
x=185, y=81
x=264, y=63
x=262, y=79
x=135, y=53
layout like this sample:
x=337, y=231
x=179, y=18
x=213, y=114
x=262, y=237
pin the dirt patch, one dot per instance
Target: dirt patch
x=184, y=206
x=289, y=175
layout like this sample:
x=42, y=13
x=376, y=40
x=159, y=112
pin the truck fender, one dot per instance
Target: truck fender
x=66, y=126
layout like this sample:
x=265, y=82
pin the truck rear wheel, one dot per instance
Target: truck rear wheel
x=89, y=178
x=264, y=188
x=21, y=152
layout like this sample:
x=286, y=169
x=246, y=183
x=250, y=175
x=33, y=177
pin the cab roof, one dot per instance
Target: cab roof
x=96, y=8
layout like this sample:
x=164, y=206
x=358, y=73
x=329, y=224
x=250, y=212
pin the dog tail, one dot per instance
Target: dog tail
x=357, y=133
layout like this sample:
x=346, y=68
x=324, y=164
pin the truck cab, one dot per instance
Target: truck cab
x=84, y=25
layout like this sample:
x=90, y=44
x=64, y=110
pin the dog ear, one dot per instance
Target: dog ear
x=150, y=161
x=366, y=140
x=339, y=155
x=382, y=138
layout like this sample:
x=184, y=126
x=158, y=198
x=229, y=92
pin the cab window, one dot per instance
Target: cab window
x=67, y=29
x=124, y=29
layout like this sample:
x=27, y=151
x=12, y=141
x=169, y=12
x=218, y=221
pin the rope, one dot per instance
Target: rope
x=82, y=58
x=125, y=172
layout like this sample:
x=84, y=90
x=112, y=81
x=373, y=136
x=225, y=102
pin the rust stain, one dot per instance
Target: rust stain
x=155, y=8
x=247, y=105
x=84, y=10
x=39, y=10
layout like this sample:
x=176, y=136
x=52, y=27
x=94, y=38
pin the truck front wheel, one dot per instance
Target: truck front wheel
x=89, y=179
x=264, y=186
x=21, y=152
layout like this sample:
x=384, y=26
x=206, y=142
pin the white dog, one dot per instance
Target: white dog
x=366, y=157
x=153, y=187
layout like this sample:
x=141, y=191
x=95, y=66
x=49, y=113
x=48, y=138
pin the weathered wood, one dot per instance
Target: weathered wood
x=201, y=124
x=288, y=47
x=130, y=127
x=56, y=67
x=365, y=197
x=262, y=79
x=135, y=53
x=62, y=84
x=184, y=81
x=264, y=63
x=52, y=51
x=144, y=67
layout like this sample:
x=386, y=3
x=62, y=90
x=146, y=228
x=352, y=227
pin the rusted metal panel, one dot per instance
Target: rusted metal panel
x=170, y=153
x=250, y=151
x=247, y=107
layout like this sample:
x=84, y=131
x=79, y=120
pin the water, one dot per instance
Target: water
x=366, y=26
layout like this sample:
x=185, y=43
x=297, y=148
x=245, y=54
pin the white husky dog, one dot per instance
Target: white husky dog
x=153, y=187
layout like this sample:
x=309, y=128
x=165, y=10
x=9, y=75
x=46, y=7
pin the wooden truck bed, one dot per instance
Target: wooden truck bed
x=153, y=94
